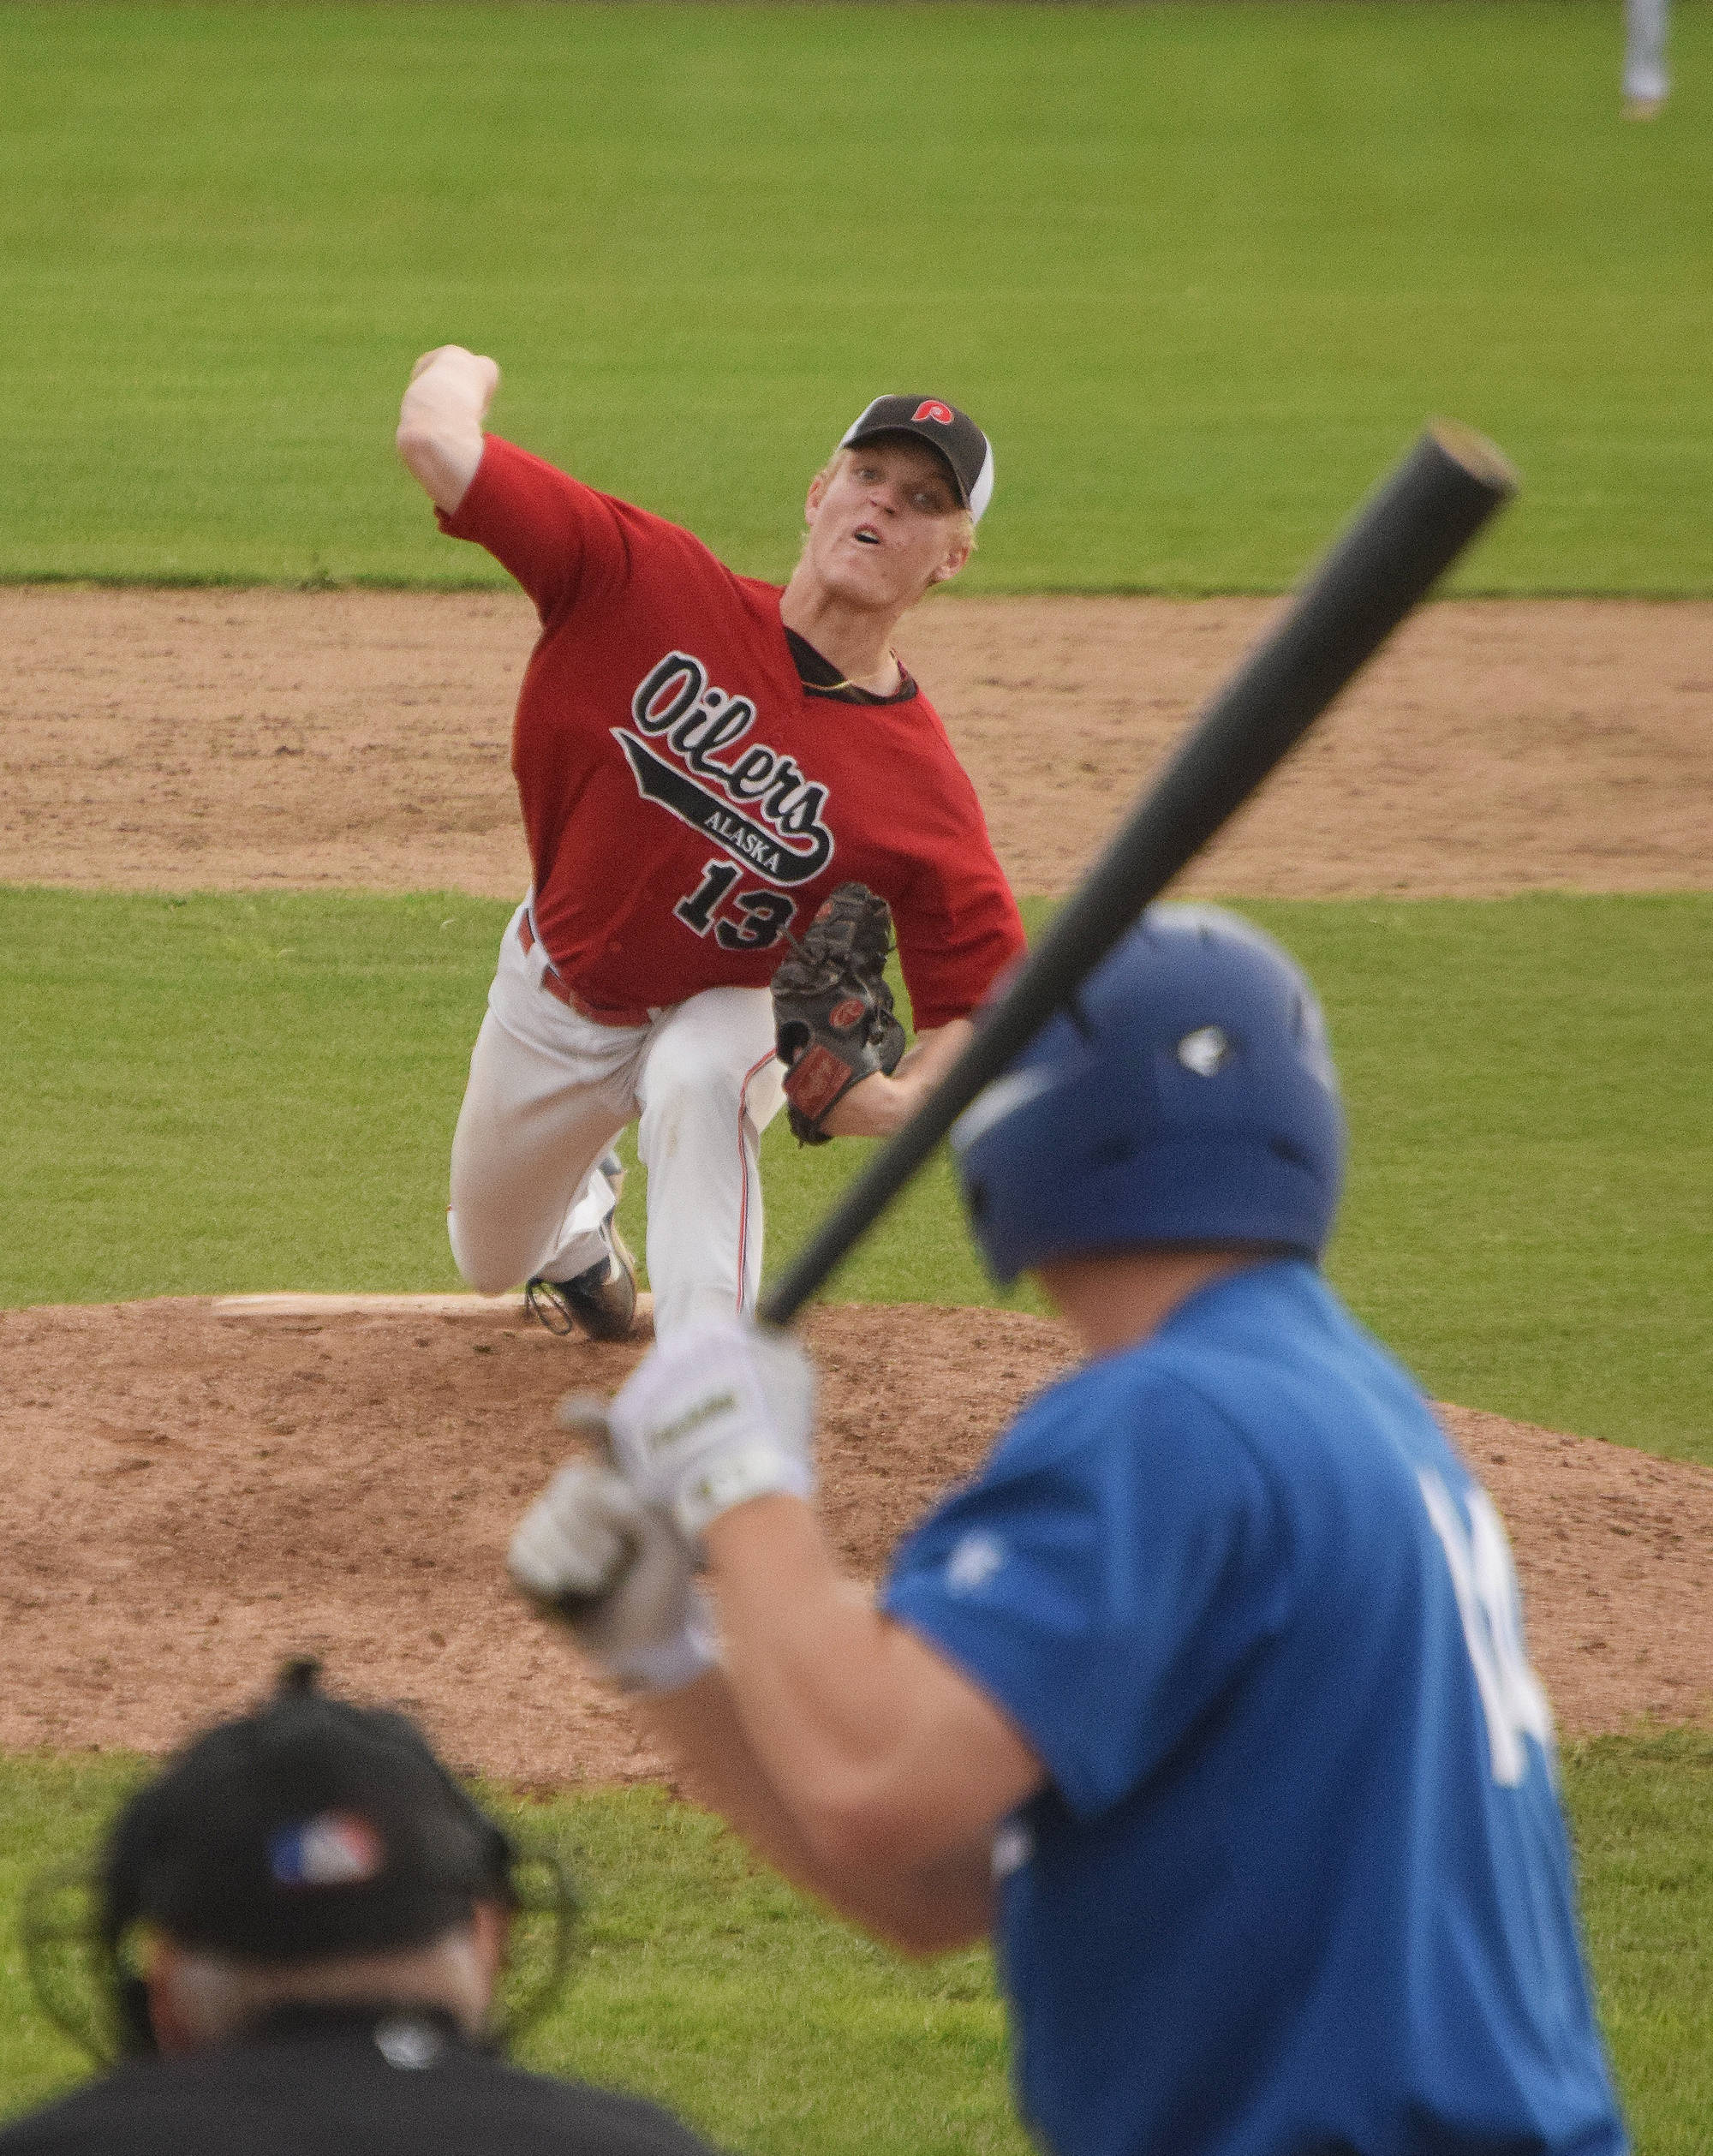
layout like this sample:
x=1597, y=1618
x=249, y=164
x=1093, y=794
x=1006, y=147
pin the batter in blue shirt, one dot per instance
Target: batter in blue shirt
x=1293, y=1882
x=1208, y=1696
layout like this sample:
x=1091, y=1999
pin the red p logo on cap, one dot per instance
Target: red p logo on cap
x=941, y=413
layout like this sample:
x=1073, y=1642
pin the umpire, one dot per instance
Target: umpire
x=301, y=1930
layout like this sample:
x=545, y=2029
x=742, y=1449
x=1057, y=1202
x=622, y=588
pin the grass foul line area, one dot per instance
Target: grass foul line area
x=222, y=1095
x=1202, y=270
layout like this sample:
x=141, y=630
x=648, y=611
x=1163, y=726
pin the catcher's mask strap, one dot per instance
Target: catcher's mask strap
x=89, y=1986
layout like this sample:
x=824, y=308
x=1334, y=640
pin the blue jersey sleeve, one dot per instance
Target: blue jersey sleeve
x=1107, y=1576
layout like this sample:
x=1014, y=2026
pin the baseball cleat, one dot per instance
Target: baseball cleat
x=599, y=1303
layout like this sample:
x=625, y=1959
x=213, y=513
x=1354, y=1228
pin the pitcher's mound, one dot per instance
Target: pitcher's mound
x=194, y=1490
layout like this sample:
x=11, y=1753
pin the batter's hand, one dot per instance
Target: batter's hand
x=723, y=1412
x=589, y=1552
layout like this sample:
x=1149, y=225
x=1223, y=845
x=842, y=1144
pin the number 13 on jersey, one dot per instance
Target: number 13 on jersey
x=763, y=916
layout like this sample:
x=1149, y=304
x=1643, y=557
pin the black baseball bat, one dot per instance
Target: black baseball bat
x=1389, y=557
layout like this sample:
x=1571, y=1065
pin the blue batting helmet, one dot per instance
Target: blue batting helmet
x=1187, y=1096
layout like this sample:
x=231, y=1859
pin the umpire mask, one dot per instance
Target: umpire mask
x=308, y=1831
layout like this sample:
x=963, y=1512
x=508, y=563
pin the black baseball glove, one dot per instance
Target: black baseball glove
x=832, y=1009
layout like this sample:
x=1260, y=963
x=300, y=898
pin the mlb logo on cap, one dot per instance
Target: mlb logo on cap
x=334, y=1848
x=968, y=453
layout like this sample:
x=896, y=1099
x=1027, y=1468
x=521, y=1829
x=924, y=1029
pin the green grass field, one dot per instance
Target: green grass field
x=710, y=1986
x=1203, y=270
x=231, y=1093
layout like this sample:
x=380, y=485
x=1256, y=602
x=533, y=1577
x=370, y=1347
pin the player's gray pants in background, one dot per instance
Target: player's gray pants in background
x=1645, y=22
x=549, y=1090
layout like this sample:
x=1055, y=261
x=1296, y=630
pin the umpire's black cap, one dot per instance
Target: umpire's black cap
x=968, y=453
x=310, y=1829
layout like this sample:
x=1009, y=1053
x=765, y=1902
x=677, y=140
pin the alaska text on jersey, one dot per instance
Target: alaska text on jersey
x=752, y=800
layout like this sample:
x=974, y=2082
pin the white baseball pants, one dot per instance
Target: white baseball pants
x=550, y=1090
x=1645, y=79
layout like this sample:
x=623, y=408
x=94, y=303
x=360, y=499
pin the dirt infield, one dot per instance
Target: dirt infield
x=193, y=1497
x=273, y=740
x=189, y=1497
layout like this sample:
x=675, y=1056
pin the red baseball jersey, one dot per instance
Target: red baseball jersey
x=686, y=796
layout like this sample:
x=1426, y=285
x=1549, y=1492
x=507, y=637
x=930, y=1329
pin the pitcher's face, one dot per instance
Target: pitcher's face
x=886, y=524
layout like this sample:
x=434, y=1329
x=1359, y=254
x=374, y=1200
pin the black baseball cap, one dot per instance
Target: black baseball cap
x=968, y=453
x=310, y=1828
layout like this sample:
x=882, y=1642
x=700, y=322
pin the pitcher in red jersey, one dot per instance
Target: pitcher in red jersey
x=701, y=757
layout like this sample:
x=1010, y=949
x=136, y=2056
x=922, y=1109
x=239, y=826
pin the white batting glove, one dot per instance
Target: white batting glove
x=722, y=1412
x=615, y=1572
